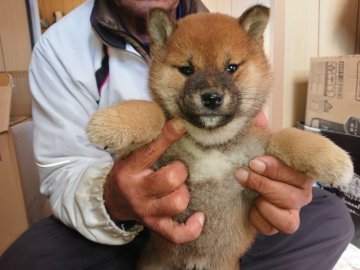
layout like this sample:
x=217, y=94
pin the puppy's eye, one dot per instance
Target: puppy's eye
x=186, y=70
x=231, y=68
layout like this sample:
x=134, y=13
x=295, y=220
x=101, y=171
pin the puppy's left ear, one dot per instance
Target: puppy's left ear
x=254, y=21
x=160, y=26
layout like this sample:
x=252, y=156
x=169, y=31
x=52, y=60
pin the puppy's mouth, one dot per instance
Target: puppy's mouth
x=208, y=121
x=208, y=108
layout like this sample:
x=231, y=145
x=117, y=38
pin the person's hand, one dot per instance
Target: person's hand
x=135, y=192
x=282, y=191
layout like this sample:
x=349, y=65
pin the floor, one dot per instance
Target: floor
x=350, y=260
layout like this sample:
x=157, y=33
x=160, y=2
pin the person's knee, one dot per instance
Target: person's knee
x=342, y=223
x=347, y=227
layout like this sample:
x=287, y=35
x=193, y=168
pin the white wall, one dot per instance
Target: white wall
x=232, y=7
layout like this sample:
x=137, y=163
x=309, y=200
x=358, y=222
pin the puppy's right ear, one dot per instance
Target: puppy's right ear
x=160, y=26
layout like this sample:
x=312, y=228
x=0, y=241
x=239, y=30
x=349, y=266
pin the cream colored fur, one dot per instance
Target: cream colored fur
x=220, y=138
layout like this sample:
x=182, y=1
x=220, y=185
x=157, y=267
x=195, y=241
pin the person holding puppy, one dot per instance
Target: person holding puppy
x=102, y=204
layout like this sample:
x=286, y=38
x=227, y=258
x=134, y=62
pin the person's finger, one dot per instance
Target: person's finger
x=165, y=180
x=180, y=233
x=284, y=220
x=260, y=120
x=261, y=225
x=273, y=168
x=147, y=155
x=278, y=193
x=170, y=205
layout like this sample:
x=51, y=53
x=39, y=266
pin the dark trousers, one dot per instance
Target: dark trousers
x=326, y=229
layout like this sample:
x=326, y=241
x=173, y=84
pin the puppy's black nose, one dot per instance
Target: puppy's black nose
x=212, y=100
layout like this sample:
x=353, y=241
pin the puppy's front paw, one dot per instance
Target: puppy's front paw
x=312, y=154
x=126, y=126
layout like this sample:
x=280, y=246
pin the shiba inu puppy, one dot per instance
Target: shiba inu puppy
x=210, y=70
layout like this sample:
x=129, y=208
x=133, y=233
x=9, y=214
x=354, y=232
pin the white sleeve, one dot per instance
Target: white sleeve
x=72, y=170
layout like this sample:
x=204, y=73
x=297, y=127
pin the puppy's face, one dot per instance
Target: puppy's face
x=209, y=70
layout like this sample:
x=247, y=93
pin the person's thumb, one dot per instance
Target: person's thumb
x=147, y=155
x=181, y=232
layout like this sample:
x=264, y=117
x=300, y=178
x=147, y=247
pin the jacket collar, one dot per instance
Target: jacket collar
x=111, y=31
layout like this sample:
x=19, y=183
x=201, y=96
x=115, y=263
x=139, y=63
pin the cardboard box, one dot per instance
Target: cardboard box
x=21, y=96
x=333, y=98
x=13, y=219
x=37, y=206
x=20, y=201
x=5, y=101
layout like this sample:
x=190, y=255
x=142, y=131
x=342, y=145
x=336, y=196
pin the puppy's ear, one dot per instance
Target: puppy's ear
x=160, y=26
x=254, y=20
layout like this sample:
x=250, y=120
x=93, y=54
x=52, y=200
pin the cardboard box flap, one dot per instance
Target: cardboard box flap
x=6, y=84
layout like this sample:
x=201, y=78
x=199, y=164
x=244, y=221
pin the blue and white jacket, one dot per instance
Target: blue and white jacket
x=84, y=62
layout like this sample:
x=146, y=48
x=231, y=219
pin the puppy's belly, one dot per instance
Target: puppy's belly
x=227, y=232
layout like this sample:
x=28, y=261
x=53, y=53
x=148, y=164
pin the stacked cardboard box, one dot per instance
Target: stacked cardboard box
x=20, y=201
x=333, y=109
x=12, y=206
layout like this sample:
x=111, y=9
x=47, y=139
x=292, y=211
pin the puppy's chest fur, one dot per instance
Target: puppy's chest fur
x=215, y=192
x=213, y=164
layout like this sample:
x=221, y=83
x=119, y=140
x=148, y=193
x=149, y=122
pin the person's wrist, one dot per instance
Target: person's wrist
x=125, y=225
x=128, y=226
x=110, y=204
